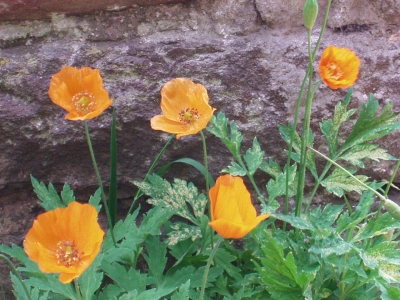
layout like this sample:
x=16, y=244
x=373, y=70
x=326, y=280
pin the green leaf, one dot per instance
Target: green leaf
x=324, y=219
x=49, y=198
x=234, y=169
x=277, y=187
x=254, y=157
x=375, y=227
x=389, y=292
x=182, y=293
x=182, y=232
x=356, y=154
x=286, y=132
x=280, y=273
x=332, y=244
x=368, y=127
x=67, y=195
x=95, y=200
x=383, y=252
x=231, y=138
x=339, y=182
x=330, y=128
x=175, y=196
x=91, y=279
x=156, y=258
x=51, y=283
x=271, y=168
x=296, y=222
x=128, y=280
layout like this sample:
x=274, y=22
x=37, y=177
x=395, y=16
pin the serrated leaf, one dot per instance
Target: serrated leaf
x=286, y=132
x=254, y=157
x=95, y=200
x=234, y=169
x=339, y=182
x=324, y=219
x=231, y=138
x=182, y=232
x=389, y=292
x=280, y=273
x=67, y=195
x=271, y=168
x=295, y=221
x=332, y=244
x=375, y=227
x=368, y=127
x=51, y=283
x=156, y=258
x=178, y=277
x=182, y=293
x=277, y=187
x=356, y=154
x=91, y=279
x=383, y=252
x=330, y=128
x=128, y=280
x=175, y=196
x=49, y=198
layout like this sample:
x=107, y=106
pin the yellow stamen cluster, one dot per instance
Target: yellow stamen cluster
x=67, y=253
x=188, y=115
x=334, y=71
x=83, y=102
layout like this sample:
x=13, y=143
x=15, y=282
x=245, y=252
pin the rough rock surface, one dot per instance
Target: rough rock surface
x=251, y=56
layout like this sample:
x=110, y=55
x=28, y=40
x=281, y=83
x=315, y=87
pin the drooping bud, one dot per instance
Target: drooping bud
x=310, y=12
x=392, y=208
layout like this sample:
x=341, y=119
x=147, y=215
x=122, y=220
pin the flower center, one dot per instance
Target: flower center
x=83, y=102
x=334, y=71
x=188, y=115
x=67, y=253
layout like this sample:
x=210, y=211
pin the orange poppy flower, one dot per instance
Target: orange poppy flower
x=185, y=108
x=233, y=215
x=65, y=240
x=80, y=92
x=339, y=67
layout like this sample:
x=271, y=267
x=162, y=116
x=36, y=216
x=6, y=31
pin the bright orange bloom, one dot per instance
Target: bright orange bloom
x=185, y=108
x=80, y=92
x=65, y=240
x=233, y=215
x=339, y=67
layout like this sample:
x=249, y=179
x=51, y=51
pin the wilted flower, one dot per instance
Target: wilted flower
x=185, y=108
x=339, y=67
x=80, y=92
x=233, y=215
x=65, y=240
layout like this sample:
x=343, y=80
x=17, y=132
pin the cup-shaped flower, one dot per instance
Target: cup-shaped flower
x=185, y=108
x=80, y=92
x=233, y=215
x=339, y=67
x=65, y=240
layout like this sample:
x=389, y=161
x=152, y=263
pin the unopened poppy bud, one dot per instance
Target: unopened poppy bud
x=392, y=208
x=310, y=12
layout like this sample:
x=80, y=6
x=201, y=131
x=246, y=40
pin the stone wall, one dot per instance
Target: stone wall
x=251, y=55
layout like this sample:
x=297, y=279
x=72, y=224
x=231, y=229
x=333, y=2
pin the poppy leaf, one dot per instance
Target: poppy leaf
x=67, y=195
x=339, y=182
x=356, y=154
x=156, y=258
x=234, y=169
x=49, y=198
x=254, y=157
x=370, y=127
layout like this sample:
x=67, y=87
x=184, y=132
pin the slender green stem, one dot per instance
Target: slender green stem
x=305, y=134
x=100, y=182
x=153, y=165
x=396, y=168
x=77, y=290
x=348, y=204
x=380, y=196
x=210, y=258
x=16, y=273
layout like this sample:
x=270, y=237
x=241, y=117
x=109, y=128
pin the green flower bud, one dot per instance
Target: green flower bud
x=392, y=208
x=310, y=13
